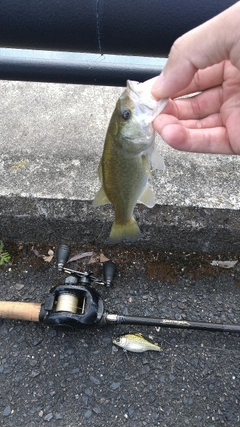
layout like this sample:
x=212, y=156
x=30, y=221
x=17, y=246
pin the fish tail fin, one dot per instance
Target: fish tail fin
x=129, y=230
x=156, y=348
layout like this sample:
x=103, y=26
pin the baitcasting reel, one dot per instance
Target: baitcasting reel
x=77, y=305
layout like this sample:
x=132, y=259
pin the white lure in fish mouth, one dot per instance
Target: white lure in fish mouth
x=140, y=93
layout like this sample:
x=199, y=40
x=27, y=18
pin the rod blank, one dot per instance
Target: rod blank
x=169, y=323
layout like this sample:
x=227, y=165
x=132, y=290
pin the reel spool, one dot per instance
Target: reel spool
x=67, y=302
x=74, y=306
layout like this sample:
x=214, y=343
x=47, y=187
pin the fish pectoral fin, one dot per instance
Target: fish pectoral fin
x=147, y=197
x=157, y=161
x=101, y=198
x=100, y=171
x=146, y=164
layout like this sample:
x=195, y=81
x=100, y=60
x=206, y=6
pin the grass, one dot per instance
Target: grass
x=4, y=255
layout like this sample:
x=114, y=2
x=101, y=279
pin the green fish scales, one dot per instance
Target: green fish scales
x=128, y=154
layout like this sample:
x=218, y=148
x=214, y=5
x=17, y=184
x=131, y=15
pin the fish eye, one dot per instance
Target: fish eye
x=117, y=339
x=126, y=114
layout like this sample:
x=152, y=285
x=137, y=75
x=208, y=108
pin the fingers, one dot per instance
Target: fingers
x=203, y=79
x=196, y=107
x=211, y=43
x=212, y=141
x=216, y=133
x=214, y=120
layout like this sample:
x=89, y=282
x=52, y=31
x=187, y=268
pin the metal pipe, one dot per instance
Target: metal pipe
x=104, y=33
x=76, y=68
x=136, y=27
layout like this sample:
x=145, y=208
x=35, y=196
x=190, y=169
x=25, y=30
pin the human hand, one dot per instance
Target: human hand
x=206, y=59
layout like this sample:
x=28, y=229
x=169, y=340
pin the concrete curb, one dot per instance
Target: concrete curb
x=163, y=227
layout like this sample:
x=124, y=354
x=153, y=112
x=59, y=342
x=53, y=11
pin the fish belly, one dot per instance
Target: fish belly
x=124, y=179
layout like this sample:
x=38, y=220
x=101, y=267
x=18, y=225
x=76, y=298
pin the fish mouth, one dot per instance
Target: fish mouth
x=137, y=91
x=133, y=85
x=141, y=95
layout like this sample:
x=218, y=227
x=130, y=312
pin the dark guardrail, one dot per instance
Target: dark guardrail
x=92, y=41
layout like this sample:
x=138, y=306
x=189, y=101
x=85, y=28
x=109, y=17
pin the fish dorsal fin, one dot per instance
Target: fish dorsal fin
x=101, y=198
x=157, y=161
x=147, y=197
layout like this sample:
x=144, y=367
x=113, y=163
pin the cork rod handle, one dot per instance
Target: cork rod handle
x=20, y=310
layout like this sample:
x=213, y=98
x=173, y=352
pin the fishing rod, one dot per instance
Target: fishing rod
x=77, y=305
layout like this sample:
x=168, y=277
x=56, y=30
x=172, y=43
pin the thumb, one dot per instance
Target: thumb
x=210, y=43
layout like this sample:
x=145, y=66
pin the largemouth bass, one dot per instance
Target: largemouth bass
x=136, y=343
x=128, y=155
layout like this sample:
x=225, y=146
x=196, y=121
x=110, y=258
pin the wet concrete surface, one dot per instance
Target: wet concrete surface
x=62, y=378
x=162, y=228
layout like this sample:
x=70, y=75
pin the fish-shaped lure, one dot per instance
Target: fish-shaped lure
x=128, y=155
x=136, y=343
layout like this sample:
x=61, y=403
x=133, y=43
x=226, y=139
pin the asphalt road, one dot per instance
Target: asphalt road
x=61, y=378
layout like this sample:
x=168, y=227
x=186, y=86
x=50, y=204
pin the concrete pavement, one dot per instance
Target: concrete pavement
x=51, y=141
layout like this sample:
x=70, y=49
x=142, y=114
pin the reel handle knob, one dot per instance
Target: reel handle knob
x=109, y=270
x=62, y=256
